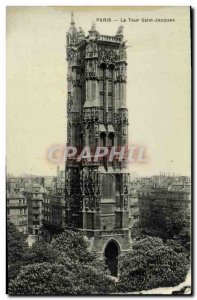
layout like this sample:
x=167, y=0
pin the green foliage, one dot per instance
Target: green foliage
x=41, y=279
x=40, y=252
x=16, y=244
x=166, y=225
x=93, y=280
x=184, y=238
x=16, y=249
x=74, y=246
x=137, y=230
x=175, y=245
x=64, y=266
x=58, y=279
x=161, y=222
x=151, y=264
x=13, y=270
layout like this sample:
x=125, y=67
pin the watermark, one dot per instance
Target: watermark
x=58, y=154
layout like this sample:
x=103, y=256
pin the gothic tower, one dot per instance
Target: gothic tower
x=97, y=191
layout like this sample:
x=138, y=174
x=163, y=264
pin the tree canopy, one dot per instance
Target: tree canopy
x=16, y=244
x=151, y=264
x=16, y=250
x=166, y=225
x=62, y=267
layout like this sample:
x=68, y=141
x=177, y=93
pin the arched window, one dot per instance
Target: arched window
x=110, y=141
x=102, y=139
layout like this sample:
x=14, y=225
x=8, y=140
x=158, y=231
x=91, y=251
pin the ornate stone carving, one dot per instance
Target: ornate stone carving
x=74, y=117
x=96, y=130
x=121, y=78
x=122, y=117
x=90, y=75
x=122, y=52
x=125, y=197
x=72, y=55
x=69, y=129
x=124, y=130
x=107, y=56
x=69, y=105
x=91, y=114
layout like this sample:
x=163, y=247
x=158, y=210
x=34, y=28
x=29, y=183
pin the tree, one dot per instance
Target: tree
x=167, y=225
x=16, y=244
x=58, y=279
x=16, y=250
x=175, y=245
x=40, y=252
x=41, y=279
x=176, y=221
x=64, y=266
x=151, y=264
x=74, y=245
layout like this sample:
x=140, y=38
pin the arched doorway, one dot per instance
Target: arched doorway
x=111, y=255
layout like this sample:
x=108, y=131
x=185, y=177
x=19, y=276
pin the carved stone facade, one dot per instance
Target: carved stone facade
x=97, y=192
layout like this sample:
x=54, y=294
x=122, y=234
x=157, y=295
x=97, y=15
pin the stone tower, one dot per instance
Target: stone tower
x=97, y=196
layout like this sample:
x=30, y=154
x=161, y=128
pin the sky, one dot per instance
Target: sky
x=158, y=84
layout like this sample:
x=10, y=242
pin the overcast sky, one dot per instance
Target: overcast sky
x=158, y=88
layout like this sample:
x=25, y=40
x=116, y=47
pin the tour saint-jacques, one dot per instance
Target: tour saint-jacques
x=97, y=199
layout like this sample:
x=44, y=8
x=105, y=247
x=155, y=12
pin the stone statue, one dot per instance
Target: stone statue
x=81, y=32
x=120, y=30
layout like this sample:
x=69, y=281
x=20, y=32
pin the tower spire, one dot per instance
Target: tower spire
x=72, y=19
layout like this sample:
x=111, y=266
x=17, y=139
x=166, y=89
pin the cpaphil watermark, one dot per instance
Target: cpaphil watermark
x=58, y=154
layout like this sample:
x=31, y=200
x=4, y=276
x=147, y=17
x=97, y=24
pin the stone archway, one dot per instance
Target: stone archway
x=111, y=254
